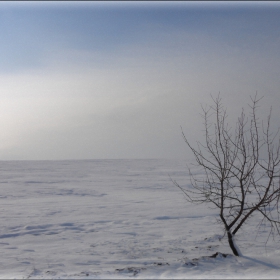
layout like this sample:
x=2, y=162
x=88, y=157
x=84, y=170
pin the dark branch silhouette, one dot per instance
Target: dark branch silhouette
x=236, y=180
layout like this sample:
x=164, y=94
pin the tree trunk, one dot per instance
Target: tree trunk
x=231, y=244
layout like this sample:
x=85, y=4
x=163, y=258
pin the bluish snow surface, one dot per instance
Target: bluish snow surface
x=117, y=219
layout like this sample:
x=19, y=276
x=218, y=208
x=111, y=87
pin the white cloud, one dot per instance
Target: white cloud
x=127, y=104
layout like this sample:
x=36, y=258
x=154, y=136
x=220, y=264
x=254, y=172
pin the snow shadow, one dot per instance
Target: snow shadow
x=261, y=262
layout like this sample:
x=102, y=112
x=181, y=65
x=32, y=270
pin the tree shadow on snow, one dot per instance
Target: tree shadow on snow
x=261, y=262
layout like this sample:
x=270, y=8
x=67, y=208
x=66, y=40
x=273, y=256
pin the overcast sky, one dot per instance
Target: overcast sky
x=93, y=80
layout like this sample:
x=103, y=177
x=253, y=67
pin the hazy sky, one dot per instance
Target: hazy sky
x=117, y=80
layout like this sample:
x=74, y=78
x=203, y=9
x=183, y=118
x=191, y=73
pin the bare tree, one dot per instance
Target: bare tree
x=235, y=178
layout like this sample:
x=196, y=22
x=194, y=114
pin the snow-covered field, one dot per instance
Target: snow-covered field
x=117, y=219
